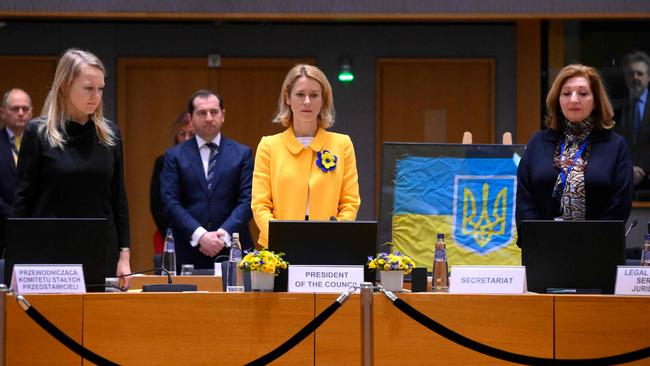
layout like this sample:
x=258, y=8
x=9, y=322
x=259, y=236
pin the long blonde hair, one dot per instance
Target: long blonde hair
x=55, y=107
x=284, y=115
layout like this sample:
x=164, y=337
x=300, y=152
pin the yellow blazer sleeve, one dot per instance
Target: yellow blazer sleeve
x=349, y=199
x=262, y=201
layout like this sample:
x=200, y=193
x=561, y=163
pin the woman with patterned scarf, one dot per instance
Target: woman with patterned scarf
x=577, y=169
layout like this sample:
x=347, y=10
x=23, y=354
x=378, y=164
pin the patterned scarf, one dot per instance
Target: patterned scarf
x=572, y=196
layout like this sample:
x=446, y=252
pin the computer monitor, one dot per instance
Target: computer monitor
x=572, y=256
x=324, y=242
x=59, y=241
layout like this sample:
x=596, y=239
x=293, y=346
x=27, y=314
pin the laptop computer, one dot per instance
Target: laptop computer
x=572, y=256
x=324, y=242
x=59, y=241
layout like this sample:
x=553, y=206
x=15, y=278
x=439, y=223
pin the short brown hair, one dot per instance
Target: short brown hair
x=203, y=94
x=603, y=113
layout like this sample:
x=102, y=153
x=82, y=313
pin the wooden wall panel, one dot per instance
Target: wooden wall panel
x=34, y=74
x=528, y=78
x=433, y=100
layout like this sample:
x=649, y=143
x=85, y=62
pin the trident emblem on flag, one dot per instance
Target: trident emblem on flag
x=483, y=219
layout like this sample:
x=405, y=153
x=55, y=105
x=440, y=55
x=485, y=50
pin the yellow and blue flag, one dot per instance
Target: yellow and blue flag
x=470, y=200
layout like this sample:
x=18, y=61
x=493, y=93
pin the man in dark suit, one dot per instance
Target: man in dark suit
x=633, y=119
x=183, y=131
x=206, y=186
x=16, y=111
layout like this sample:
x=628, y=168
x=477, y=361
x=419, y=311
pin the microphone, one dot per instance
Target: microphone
x=632, y=224
x=165, y=287
x=333, y=218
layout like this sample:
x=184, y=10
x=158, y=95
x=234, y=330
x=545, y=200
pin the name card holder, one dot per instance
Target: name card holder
x=48, y=279
x=324, y=279
x=487, y=280
x=632, y=280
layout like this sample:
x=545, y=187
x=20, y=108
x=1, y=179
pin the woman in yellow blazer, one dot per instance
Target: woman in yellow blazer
x=304, y=172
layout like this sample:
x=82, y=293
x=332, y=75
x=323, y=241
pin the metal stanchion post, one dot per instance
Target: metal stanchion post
x=367, y=333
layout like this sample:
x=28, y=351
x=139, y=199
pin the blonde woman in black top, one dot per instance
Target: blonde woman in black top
x=70, y=161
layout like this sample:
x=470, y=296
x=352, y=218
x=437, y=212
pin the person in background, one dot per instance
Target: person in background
x=304, y=172
x=633, y=119
x=71, y=162
x=577, y=169
x=183, y=131
x=15, y=112
x=206, y=186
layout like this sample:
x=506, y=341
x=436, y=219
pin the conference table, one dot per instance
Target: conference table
x=216, y=328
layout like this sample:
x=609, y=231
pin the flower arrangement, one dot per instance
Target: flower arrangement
x=326, y=161
x=263, y=261
x=391, y=262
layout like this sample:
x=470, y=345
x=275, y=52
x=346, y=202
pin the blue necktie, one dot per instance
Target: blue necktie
x=637, y=115
x=212, y=162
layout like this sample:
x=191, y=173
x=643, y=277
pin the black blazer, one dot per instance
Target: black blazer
x=7, y=183
x=639, y=144
x=608, y=178
x=155, y=197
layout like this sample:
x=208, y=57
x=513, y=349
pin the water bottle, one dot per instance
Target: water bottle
x=169, y=254
x=440, y=269
x=235, y=276
x=645, y=252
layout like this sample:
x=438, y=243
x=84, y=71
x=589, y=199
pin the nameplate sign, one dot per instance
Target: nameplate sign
x=632, y=281
x=48, y=279
x=323, y=279
x=487, y=280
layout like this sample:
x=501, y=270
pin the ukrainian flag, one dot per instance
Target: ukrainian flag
x=470, y=200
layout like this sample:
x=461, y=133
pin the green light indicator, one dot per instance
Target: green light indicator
x=346, y=76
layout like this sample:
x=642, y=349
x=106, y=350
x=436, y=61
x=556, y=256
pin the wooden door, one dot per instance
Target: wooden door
x=33, y=74
x=151, y=94
x=434, y=100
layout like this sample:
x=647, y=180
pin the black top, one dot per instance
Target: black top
x=7, y=182
x=84, y=179
x=155, y=199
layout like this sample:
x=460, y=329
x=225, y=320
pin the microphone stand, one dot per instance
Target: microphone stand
x=162, y=287
x=632, y=224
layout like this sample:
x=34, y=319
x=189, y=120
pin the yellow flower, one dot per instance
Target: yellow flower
x=326, y=161
x=391, y=262
x=264, y=261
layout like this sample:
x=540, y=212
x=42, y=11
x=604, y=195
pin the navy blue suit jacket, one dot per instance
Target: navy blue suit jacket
x=189, y=204
x=608, y=178
x=7, y=182
x=638, y=141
